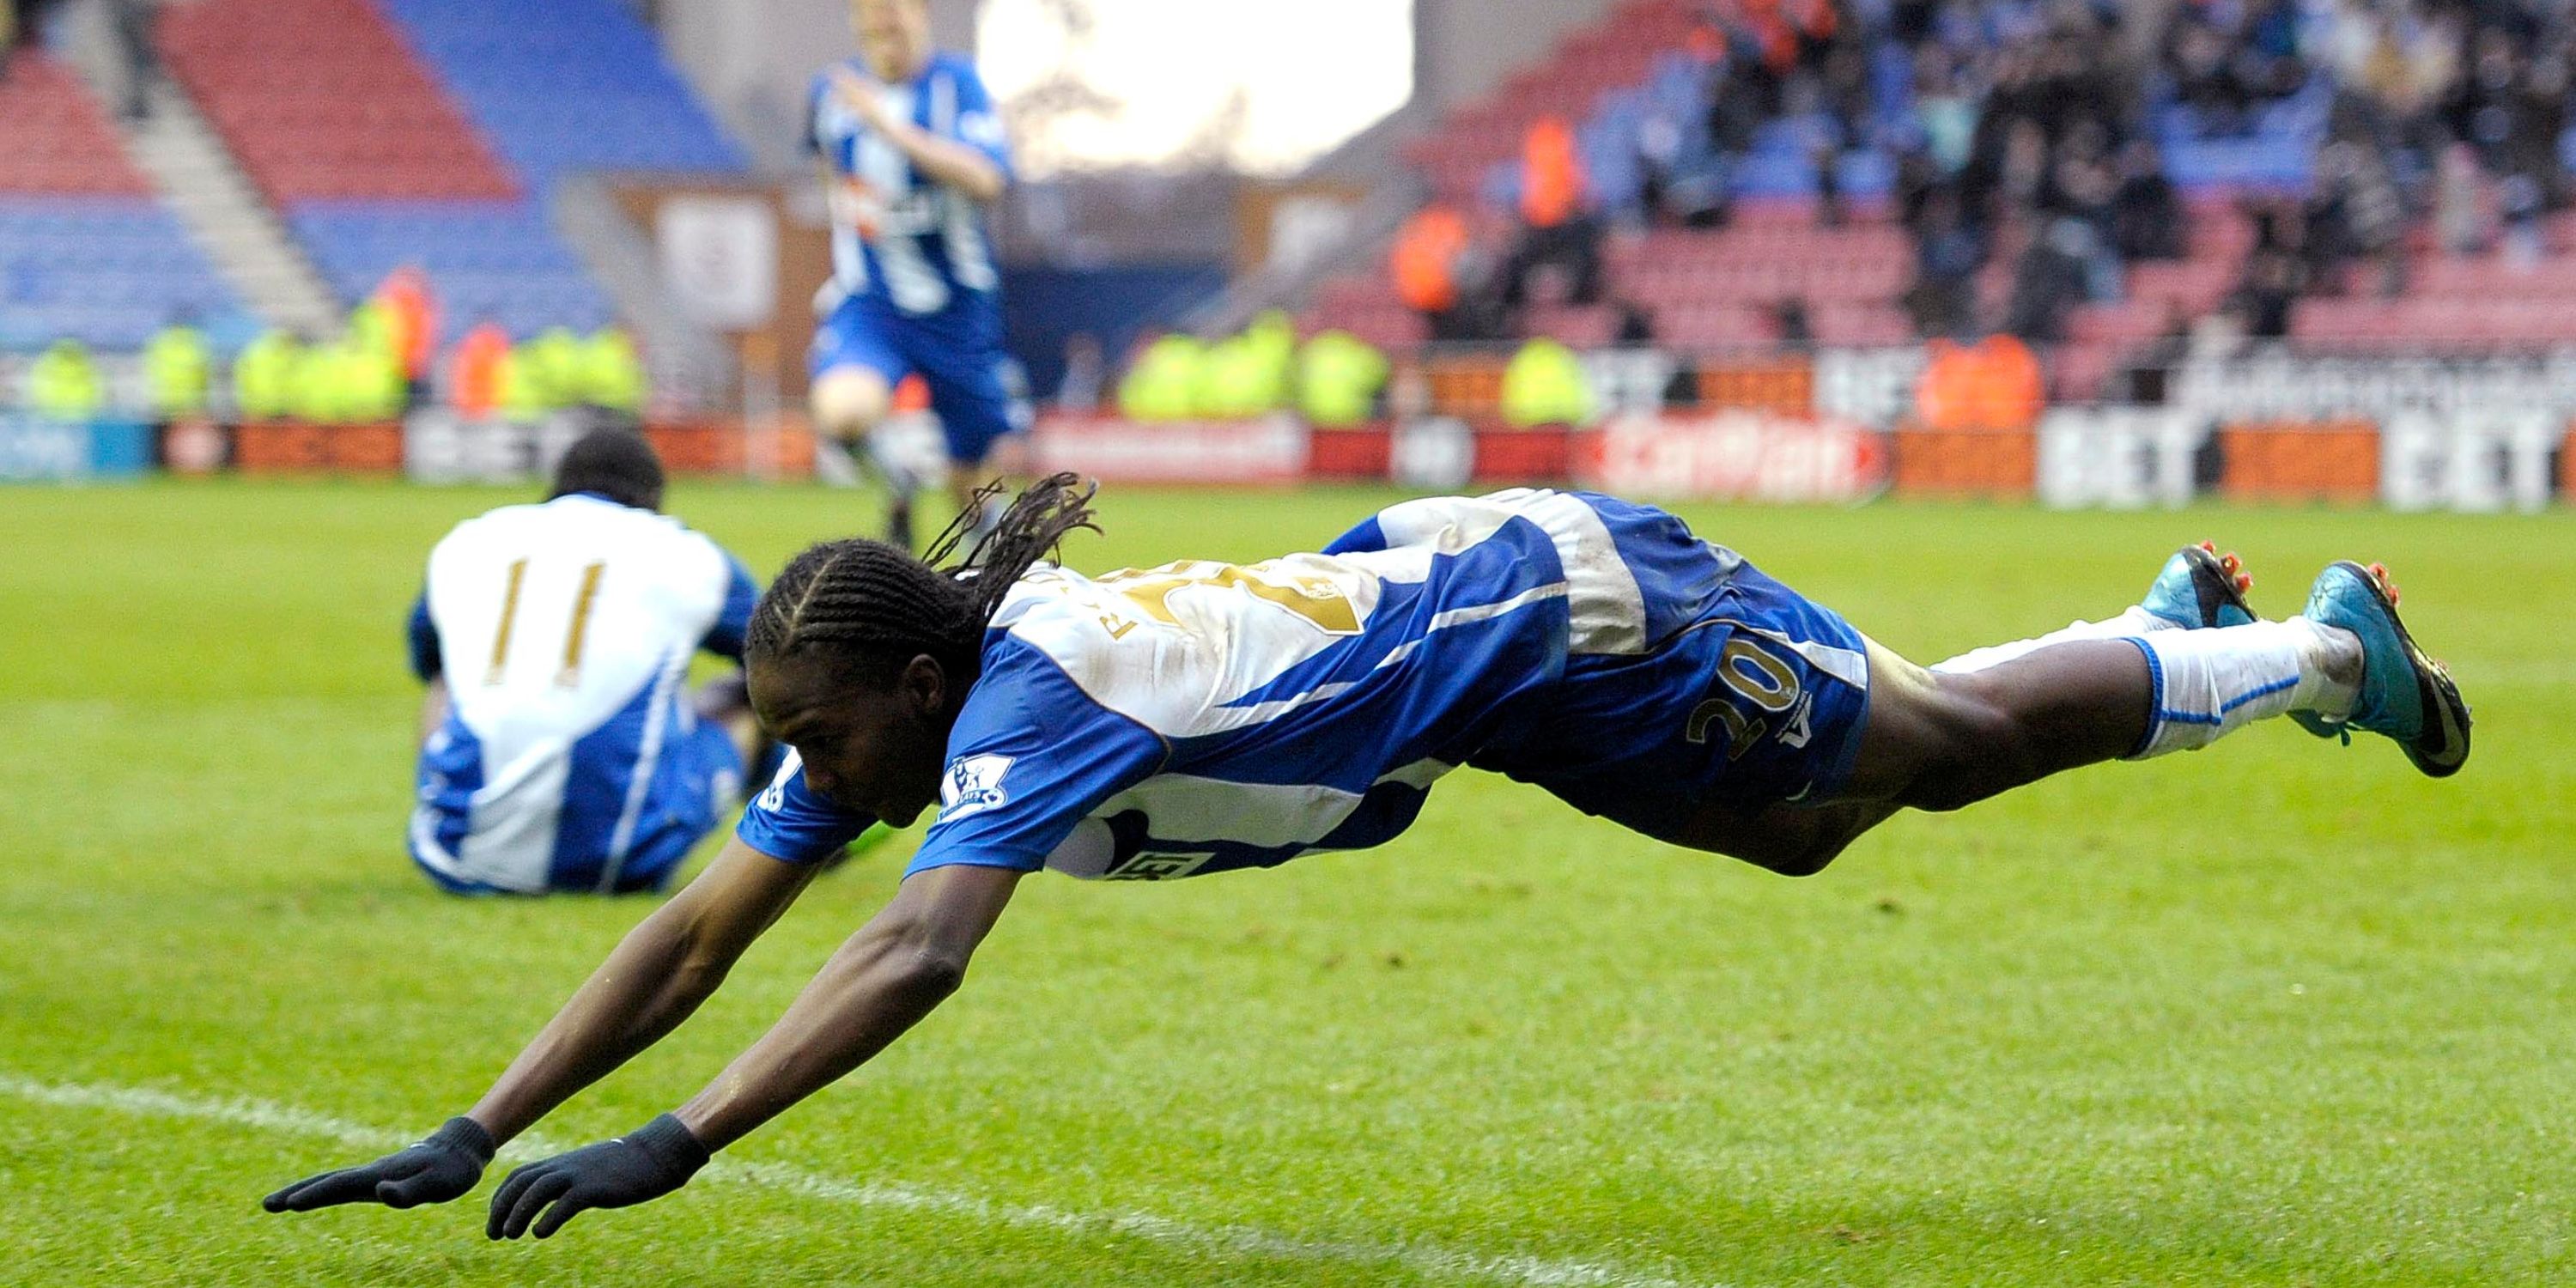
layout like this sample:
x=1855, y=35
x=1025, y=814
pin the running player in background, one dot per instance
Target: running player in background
x=1201, y=717
x=560, y=747
x=911, y=153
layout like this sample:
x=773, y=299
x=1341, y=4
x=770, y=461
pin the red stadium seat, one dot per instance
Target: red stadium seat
x=2493, y=277
x=1864, y=325
x=57, y=140
x=322, y=100
x=1584, y=326
x=2082, y=370
x=2130, y=321
x=2196, y=285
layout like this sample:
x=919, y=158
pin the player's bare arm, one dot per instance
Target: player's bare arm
x=942, y=160
x=895, y=970
x=655, y=978
x=903, y=963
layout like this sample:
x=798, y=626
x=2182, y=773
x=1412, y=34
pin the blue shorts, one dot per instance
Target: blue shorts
x=698, y=775
x=1759, y=701
x=698, y=779
x=976, y=388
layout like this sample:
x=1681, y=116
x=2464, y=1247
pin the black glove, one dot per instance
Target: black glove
x=641, y=1165
x=438, y=1169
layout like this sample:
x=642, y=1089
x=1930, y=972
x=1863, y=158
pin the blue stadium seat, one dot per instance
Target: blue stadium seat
x=105, y=271
x=496, y=259
x=566, y=86
x=558, y=88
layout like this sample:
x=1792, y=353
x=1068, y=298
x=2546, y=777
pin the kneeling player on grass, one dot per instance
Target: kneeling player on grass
x=560, y=746
x=1200, y=717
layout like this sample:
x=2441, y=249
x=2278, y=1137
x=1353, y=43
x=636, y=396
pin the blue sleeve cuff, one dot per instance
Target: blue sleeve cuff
x=1368, y=536
x=812, y=140
x=955, y=858
x=788, y=822
x=423, y=635
x=733, y=621
x=1031, y=755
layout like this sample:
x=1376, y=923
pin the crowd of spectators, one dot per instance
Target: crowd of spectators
x=2452, y=117
x=2037, y=134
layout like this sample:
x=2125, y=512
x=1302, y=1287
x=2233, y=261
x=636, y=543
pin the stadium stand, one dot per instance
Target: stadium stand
x=58, y=142
x=495, y=260
x=429, y=132
x=86, y=250
x=565, y=86
x=1804, y=138
x=321, y=101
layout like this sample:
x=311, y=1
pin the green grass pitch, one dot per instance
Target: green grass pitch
x=2279, y=1012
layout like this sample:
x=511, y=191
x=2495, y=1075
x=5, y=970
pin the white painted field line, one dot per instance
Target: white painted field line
x=1223, y=1240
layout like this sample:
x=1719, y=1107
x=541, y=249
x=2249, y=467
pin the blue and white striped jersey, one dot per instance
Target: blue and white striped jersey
x=1201, y=717
x=565, y=631
x=916, y=244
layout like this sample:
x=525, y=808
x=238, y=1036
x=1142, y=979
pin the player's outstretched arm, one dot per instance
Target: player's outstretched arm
x=943, y=160
x=895, y=970
x=654, y=979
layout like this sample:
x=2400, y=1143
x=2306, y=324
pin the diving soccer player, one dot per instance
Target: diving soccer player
x=1202, y=717
x=911, y=153
x=561, y=748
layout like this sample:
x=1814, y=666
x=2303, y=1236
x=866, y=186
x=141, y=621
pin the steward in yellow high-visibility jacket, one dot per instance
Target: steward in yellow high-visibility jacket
x=612, y=373
x=1545, y=385
x=65, y=385
x=265, y=376
x=1163, y=385
x=1338, y=377
x=180, y=369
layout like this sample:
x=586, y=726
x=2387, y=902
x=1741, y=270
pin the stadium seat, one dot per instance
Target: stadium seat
x=2493, y=277
x=2195, y=285
x=56, y=141
x=427, y=133
x=569, y=85
x=105, y=270
x=291, y=112
x=87, y=251
x=495, y=260
x=1584, y=326
x=1865, y=325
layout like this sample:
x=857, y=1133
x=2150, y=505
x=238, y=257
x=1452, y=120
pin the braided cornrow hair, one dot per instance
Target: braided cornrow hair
x=870, y=607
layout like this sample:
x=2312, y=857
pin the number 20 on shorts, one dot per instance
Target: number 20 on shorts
x=1756, y=677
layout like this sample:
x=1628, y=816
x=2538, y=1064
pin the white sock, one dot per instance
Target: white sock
x=898, y=474
x=2132, y=621
x=2209, y=683
x=833, y=465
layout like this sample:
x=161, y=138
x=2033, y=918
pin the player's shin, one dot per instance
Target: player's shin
x=2209, y=683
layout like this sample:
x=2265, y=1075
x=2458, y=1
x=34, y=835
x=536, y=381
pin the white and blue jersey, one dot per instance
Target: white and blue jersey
x=910, y=242
x=1201, y=717
x=571, y=758
x=914, y=286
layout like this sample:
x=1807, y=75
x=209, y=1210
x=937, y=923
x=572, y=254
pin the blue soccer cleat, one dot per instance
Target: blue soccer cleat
x=2201, y=588
x=2405, y=694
